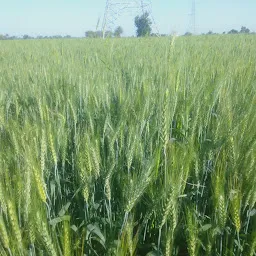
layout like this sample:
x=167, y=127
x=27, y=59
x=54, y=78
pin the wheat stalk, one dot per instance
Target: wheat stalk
x=40, y=184
x=44, y=234
x=14, y=222
x=3, y=234
x=66, y=240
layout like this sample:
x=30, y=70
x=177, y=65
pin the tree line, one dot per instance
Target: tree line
x=143, y=26
x=8, y=37
x=243, y=30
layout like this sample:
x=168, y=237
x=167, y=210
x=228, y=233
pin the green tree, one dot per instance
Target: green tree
x=233, y=31
x=26, y=37
x=118, y=31
x=90, y=34
x=188, y=34
x=143, y=24
x=108, y=33
x=99, y=33
x=245, y=30
x=210, y=33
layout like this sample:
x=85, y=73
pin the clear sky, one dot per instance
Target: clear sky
x=74, y=17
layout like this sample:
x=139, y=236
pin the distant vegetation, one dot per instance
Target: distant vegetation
x=25, y=37
x=98, y=34
x=142, y=30
x=143, y=26
x=243, y=30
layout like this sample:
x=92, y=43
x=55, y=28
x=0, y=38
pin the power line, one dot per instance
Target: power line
x=115, y=8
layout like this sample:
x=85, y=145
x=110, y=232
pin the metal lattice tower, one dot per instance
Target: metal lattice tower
x=193, y=18
x=115, y=8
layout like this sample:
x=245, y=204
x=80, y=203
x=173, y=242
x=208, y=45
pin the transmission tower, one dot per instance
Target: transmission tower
x=115, y=8
x=193, y=17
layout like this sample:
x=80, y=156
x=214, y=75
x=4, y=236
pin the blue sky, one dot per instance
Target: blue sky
x=74, y=17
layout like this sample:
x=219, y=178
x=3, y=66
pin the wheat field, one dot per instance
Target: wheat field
x=128, y=146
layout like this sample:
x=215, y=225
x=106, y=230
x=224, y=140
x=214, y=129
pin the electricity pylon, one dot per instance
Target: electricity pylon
x=115, y=8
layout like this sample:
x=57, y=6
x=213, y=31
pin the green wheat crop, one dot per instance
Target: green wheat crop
x=128, y=147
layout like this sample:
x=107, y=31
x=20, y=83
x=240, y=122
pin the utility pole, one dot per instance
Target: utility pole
x=193, y=17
